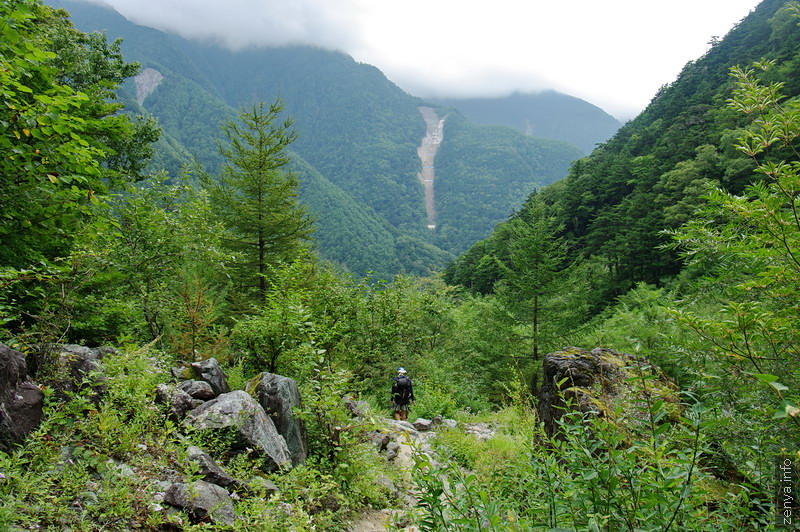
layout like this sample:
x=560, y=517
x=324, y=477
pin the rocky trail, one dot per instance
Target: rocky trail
x=427, y=153
x=404, y=439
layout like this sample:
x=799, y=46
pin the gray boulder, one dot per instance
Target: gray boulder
x=238, y=411
x=402, y=426
x=79, y=367
x=178, y=401
x=392, y=449
x=212, y=472
x=422, y=424
x=379, y=439
x=279, y=396
x=203, y=501
x=21, y=400
x=181, y=373
x=211, y=372
x=197, y=389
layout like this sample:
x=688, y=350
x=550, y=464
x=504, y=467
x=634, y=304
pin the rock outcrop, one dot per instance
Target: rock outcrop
x=593, y=382
x=21, y=400
x=239, y=412
x=279, y=396
x=211, y=372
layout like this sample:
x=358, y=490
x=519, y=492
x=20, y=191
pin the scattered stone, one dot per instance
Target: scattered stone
x=279, y=396
x=238, y=410
x=439, y=420
x=122, y=470
x=212, y=472
x=202, y=500
x=21, y=401
x=422, y=424
x=379, y=439
x=197, y=389
x=258, y=484
x=356, y=408
x=482, y=431
x=178, y=401
x=385, y=482
x=211, y=372
x=403, y=426
x=391, y=450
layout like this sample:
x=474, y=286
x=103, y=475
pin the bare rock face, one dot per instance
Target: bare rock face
x=21, y=401
x=593, y=382
x=146, y=82
x=239, y=412
x=279, y=395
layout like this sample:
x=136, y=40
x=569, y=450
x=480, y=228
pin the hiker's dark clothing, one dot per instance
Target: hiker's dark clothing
x=402, y=395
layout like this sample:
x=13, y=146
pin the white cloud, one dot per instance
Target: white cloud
x=244, y=23
x=613, y=53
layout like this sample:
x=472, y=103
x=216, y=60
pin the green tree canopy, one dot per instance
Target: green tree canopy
x=62, y=141
x=256, y=195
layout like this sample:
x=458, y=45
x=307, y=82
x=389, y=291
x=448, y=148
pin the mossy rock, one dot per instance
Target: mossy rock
x=603, y=383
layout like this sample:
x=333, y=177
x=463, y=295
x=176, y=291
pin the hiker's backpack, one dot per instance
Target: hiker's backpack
x=402, y=387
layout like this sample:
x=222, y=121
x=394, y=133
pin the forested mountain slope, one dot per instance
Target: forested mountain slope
x=205, y=300
x=356, y=128
x=467, y=177
x=549, y=114
x=615, y=204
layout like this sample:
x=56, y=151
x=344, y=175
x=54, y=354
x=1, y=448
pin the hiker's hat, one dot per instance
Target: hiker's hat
x=401, y=370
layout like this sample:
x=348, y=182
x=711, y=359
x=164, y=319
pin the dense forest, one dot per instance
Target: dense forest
x=673, y=248
x=356, y=128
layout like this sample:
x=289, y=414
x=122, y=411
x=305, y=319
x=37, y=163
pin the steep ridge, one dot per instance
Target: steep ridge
x=427, y=153
x=548, y=114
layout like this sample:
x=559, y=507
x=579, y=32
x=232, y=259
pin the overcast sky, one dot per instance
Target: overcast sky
x=612, y=53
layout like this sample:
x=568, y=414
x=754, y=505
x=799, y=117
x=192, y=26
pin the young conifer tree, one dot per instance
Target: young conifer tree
x=257, y=195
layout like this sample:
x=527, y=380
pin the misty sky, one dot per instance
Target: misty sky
x=613, y=53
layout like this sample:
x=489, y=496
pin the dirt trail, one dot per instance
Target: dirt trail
x=427, y=153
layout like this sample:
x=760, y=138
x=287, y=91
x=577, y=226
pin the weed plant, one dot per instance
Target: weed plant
x=591, y=475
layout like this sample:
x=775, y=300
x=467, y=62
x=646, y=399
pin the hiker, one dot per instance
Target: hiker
x=402, y=394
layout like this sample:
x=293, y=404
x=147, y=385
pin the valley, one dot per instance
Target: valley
x=214, y=261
